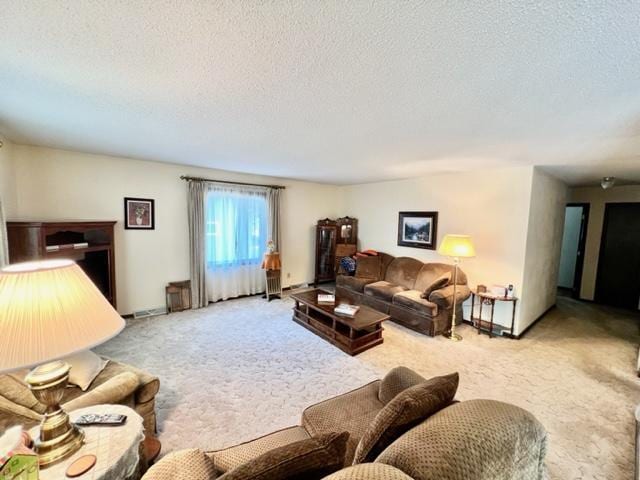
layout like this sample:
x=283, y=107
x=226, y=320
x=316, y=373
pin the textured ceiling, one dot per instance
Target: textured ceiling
x=331, y=91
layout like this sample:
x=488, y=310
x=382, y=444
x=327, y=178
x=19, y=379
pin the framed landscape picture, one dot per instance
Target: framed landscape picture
x=139, y=214
x=418, y=229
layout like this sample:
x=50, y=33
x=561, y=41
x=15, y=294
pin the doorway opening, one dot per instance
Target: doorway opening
x=576, y=220
x=618, y=278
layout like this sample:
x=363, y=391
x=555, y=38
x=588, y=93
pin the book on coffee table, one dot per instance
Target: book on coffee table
x=346, y=310
x=327, y=299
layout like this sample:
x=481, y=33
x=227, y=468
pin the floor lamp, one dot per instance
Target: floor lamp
x=48, y=310
x=456, y=247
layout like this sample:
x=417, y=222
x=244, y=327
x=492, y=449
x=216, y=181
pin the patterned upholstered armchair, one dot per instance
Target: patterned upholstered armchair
x=116, y=384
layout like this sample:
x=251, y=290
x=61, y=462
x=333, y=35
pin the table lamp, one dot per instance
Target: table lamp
x=456, y=247
x=48, y=310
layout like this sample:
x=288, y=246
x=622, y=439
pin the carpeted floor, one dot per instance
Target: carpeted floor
x=242, y=368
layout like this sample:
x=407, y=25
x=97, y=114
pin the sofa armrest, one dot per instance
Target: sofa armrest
x=114, y=390
x=148, y=384
x=232, y=457
x=444, y=296
x=192, y=464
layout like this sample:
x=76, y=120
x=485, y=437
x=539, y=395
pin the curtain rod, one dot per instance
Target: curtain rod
x=200, y=179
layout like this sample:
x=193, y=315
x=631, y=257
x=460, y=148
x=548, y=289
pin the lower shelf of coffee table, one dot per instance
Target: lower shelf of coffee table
x=337, y=333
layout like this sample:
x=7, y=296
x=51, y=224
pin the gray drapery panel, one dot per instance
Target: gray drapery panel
x=196, y=207
x=273, y=211
x=4, y=242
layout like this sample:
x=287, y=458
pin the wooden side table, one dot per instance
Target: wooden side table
x=119, y=450
x=488, y=299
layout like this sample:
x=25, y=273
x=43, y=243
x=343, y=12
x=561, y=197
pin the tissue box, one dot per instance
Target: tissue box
x=18, y=462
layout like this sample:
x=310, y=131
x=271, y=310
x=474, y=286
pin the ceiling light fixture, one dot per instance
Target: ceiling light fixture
x=607, y=182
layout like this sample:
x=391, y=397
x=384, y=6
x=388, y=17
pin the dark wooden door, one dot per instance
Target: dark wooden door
x=618, y=280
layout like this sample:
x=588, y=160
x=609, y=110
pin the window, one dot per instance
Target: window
x=236, y=227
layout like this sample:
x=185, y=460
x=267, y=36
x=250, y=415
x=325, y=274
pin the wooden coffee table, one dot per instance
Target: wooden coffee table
x=350, y=334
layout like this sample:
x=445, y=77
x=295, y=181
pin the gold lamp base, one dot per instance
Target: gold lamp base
x=58, y=438
x=453, y=336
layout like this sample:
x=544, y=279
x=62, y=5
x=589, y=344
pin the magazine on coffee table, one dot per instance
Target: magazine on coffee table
x=346, y=310
x=327, y=298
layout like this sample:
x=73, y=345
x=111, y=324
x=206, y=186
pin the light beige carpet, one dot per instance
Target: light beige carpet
x=242, y=368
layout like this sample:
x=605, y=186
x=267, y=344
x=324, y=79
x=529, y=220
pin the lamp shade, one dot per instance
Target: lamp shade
x=49, y=310
x=457, y=246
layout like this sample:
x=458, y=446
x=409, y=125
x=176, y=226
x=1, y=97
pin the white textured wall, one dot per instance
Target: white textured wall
x=596, y=197
x=7, y=178
x=58, y=184
x=570, y=244
x=490, y=205
x=544, y=241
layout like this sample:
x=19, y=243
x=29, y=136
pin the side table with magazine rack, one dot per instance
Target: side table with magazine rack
x=486, y=298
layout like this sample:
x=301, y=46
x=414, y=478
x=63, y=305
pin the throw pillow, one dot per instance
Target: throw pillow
x=313, y=458
x=440, y=282
x=405, y=411
x=85, y=367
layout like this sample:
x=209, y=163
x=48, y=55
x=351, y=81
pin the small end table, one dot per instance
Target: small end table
x=118, y=450
x=489, y=299
x=272, y=267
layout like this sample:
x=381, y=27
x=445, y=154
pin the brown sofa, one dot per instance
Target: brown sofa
x=395, y=286
x=470, y=440
x=118, y=383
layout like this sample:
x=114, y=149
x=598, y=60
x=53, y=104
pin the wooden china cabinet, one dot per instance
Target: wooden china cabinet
x=89, y=244
x=334, y=239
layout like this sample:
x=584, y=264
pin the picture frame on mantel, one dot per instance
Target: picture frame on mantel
x=418, y=229
x=139, y=214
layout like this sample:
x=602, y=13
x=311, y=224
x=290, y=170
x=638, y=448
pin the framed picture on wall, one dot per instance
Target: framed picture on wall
x=418, y=229
x=139, y=214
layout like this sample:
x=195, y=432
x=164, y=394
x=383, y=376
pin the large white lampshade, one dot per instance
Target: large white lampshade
x=49, y=310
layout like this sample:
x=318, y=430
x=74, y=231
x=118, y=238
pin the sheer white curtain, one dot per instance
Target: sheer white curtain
x=235, y=239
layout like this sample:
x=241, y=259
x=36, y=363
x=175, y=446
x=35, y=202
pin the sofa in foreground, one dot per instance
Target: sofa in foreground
x=414, y=294
x=343, y=438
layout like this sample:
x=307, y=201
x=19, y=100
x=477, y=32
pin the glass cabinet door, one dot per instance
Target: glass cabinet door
x=326, y=252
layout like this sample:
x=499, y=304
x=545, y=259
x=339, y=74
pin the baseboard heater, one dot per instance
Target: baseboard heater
x=153, y=312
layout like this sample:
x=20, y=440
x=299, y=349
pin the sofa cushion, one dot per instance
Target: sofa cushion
x=232, y=457
x=403, y=271
x=397, y=380
x=413, y=299
x=430, y=272
x=405, y=411
x=310, y=459
x=383, y=290
x=352, y=411
x=472, y=440
x=369, y=471
x=191, y=464
x=368, y=267
x=356, y=284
